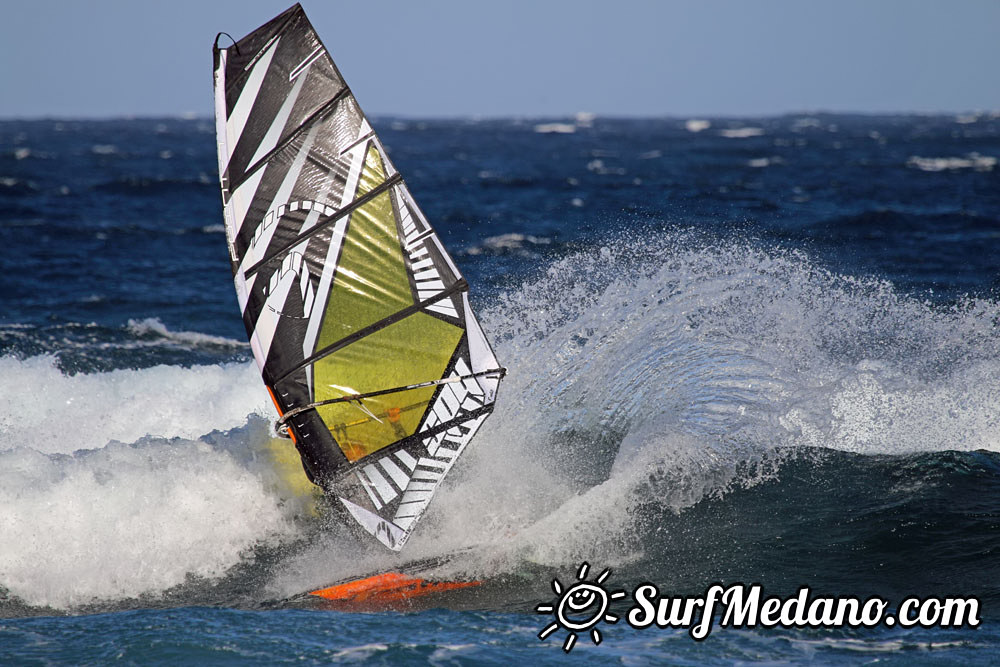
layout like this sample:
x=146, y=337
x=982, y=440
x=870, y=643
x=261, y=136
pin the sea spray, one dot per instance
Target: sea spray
x=663, y=370
x=646, y=376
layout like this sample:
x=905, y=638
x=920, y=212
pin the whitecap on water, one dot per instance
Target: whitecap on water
x=555, y=128
x=152, y=326
x=742, y=132
x=973, y=161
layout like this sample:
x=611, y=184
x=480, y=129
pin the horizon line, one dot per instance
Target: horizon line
x=194, y=116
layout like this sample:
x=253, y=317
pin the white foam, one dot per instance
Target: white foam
x=509, y=242
x=359, y=653
x=697, y=125
x=742, y=132
x=555, y=128
x=47, y=411
x=109, y=488
x=805, y=123
x=152, y=325
x=973, y=161
x=127, y=520
x=598, y=166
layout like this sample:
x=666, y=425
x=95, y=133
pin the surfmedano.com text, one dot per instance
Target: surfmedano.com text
x=745, y=606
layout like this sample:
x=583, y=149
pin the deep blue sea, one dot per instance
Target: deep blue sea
x=757, y=350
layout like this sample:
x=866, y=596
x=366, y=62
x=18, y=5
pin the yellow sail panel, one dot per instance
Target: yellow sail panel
x=371, y=281
x=413, y=350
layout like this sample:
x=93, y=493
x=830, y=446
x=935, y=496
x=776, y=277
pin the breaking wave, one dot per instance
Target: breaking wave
x=646, y=378
x=152, y=328
x=121, y=484
x=128, y=520
x=52, y=413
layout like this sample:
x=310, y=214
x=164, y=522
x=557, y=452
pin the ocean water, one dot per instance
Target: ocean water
x=761, y=350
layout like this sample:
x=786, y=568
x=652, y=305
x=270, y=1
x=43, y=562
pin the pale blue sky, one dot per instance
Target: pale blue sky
x=103, y=58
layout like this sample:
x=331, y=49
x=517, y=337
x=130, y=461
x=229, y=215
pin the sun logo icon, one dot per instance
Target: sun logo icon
x=580, y=607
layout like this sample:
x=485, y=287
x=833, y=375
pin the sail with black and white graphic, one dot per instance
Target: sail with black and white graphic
x=357, y=317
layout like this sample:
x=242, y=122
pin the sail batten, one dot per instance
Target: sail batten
x=265, y=152
x=332, y=217
x=358, y=318
x=348, y=397
x=376, y=326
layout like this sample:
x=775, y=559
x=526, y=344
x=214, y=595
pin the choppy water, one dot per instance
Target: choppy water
x=766, y=351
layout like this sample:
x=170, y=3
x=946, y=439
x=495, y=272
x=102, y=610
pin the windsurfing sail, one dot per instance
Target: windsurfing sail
x=358, y=318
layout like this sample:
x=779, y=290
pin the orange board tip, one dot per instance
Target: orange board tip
x=388, y=587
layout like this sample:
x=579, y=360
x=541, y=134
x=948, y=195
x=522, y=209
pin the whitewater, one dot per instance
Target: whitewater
x=126, y=484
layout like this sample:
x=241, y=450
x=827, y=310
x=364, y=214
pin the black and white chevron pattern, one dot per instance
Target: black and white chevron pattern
x=426, y=275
